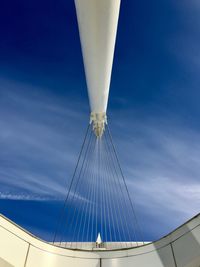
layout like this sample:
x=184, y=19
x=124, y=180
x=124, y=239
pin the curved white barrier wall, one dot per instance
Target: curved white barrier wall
x=181, y=248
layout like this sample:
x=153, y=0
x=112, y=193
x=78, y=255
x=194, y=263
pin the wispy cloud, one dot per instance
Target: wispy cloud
x=23, y=196
x=160, y=157
x=37, y=145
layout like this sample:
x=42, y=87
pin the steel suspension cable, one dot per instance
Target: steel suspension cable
x=120, y=210
x=123, y=201
x=82, y=182
x=112, y=202
x=72, y=180
x=78, y=180
x=84, y=209
x=82, y=171
x=107, y=203
x=128, y=194
x=88, y=204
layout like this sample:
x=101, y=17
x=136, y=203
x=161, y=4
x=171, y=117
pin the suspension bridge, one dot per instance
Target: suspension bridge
x=98, y=224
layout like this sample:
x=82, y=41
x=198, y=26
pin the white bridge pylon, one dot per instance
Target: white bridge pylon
x=97, y=21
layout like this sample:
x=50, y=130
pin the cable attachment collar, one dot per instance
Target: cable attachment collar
x=98, y=121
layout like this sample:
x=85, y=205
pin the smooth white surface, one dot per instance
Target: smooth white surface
x=152, y=259
x=46, y=259
x=21, y=249
x=97, y=20
x=12, y=248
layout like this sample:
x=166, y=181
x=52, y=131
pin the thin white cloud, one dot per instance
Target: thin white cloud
x=37, y=133
x=161, y=162
x=25, y=197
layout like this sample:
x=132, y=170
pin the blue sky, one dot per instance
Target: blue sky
x=153, y=109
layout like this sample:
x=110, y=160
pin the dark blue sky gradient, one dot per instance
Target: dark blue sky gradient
x=153, y=109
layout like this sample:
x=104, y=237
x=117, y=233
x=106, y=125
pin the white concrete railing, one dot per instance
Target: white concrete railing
x=19, y=248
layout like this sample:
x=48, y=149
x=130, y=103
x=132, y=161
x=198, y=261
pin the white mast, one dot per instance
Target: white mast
x=97, y=20
x=99, y=240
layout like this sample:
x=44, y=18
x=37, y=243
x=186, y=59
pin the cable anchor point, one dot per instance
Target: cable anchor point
x=98, y=121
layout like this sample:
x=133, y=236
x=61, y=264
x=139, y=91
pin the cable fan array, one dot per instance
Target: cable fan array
x=98, y=203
